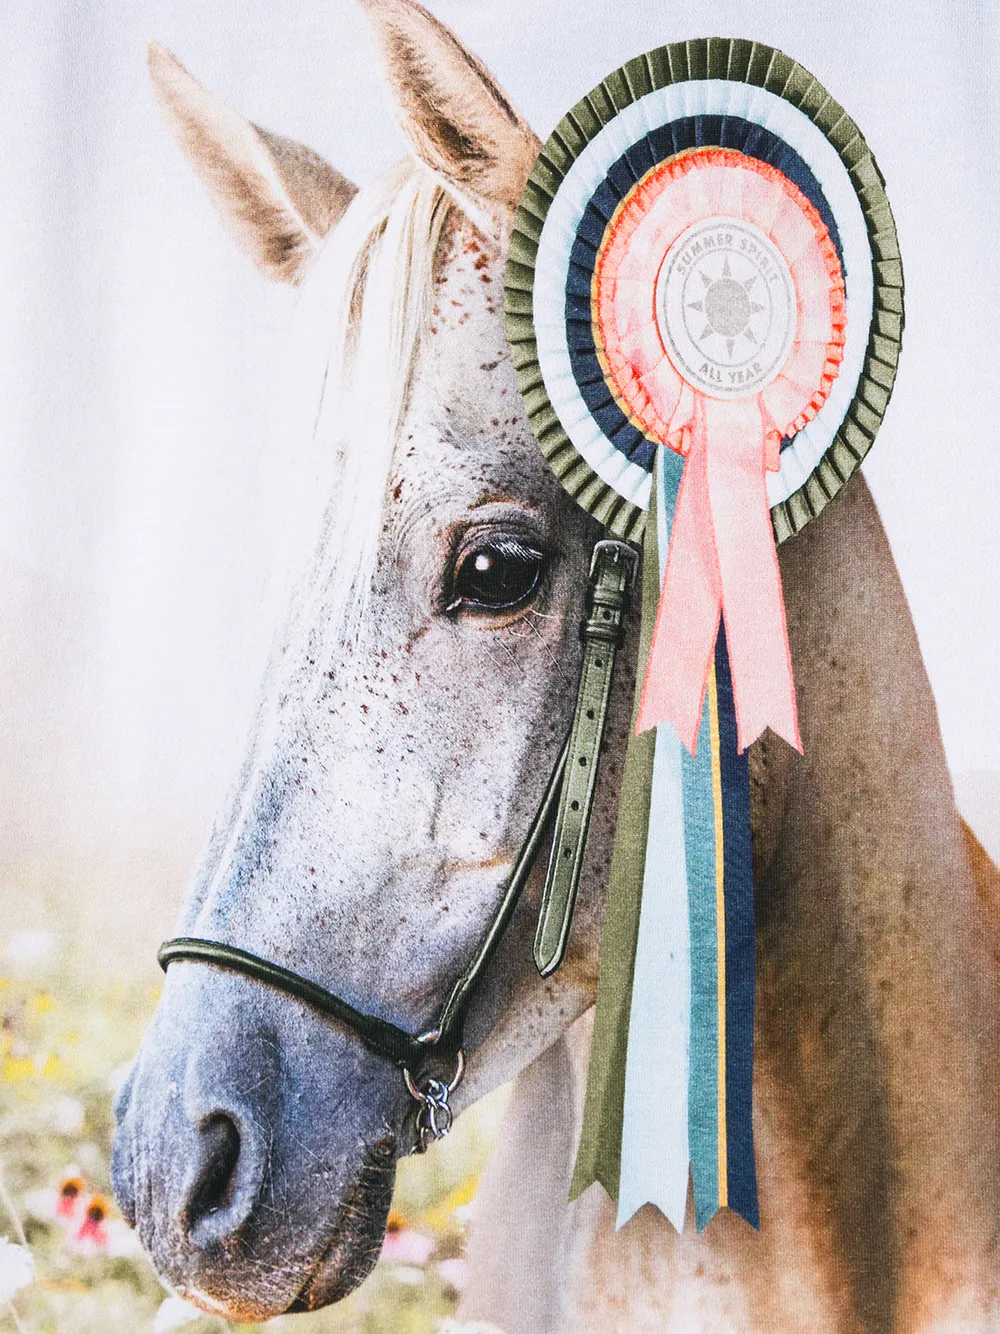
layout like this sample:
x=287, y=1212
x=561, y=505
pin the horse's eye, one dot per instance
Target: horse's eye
x=500, y=574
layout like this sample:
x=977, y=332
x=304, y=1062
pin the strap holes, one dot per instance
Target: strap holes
x=567, y=852
x=591, y=713
x=607, y=615
x=583, y=761
x=574, y=805
x=598, y=662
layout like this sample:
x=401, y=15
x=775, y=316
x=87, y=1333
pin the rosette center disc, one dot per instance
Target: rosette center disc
x=726, y=307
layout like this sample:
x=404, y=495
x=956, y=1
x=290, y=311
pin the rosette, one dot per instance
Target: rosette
x=738, y=350
x=704, y=302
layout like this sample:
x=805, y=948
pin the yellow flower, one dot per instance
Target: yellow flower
x=442, y=1217
x=17, y=1067
x=49, y=1066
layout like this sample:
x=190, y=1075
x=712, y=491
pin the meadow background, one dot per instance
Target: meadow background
x=150, y=493
x=66, y=1037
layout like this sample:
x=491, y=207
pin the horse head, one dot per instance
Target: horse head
x=413, y=711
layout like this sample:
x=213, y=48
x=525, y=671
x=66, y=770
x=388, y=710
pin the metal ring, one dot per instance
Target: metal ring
x=434, y=1114
x=456, y=1078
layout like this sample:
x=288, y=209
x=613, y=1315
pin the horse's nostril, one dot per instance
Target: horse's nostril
x=215, y=1181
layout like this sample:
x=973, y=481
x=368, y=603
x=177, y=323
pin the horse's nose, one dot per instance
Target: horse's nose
x=221, y=1152
x=224, y=1179
x=195, y=1122
x=228, y=1103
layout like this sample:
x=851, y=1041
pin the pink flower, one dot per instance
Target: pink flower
x=70, y=1200
x=404, y=1244
x=64, y=1204
x=92, y=1234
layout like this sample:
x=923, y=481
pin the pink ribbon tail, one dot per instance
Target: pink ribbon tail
x=722, y=558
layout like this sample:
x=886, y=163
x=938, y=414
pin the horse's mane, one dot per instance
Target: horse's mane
x=363, y=308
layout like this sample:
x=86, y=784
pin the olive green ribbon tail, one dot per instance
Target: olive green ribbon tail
x=600, y=1152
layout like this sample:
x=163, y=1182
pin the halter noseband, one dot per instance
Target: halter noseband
x=569, y=796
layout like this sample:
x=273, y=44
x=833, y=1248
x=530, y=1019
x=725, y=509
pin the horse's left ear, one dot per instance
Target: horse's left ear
x=276, y=197
x=456, y=117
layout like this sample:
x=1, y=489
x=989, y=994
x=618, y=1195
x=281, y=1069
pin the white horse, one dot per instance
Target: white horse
x=407, y=730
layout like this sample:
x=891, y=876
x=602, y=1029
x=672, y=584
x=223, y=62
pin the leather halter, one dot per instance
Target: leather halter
x=569, y=795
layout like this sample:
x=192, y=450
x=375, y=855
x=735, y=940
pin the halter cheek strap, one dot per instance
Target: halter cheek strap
x=612, y=576
x=570, y=788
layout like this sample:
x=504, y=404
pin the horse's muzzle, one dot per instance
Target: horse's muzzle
x=255, y=1149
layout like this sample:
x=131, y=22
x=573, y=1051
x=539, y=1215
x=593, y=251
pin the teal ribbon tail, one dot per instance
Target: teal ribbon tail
x=721, y=905
x=703, y=1086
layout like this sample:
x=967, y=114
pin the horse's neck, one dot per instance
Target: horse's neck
x=542, y=1266
x=877, y=989
x=875, y=1106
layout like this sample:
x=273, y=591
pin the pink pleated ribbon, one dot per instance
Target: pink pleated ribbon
x=722, y=559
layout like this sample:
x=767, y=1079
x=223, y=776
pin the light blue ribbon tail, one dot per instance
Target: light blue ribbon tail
x=689, y=1065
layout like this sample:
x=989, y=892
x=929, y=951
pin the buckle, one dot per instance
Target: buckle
x=618, y=551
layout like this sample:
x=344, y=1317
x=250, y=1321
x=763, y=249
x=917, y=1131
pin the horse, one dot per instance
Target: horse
x=414, y=708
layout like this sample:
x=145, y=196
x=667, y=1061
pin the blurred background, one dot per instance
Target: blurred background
x=147, y=485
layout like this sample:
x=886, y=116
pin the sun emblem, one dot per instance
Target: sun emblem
x=726, y=307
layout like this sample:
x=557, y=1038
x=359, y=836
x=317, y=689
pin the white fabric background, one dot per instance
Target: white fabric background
x=137, y=474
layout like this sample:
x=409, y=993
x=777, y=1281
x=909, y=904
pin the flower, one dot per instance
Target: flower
x=68, y=1116
x=453, y=1211
x=84, y=1218
x=69, y=1203
x=65, y=1204
x=92, y=1234
x=17, y=1268
x=404, y=1243
x=28, y=950
x=173, y=1313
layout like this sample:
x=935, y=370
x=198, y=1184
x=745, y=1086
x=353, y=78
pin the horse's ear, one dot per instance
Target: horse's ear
x=457, y=119
x=277, y=198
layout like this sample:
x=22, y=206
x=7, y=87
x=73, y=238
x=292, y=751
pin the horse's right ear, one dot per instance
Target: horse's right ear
x=458, y=120
x=277, y=198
